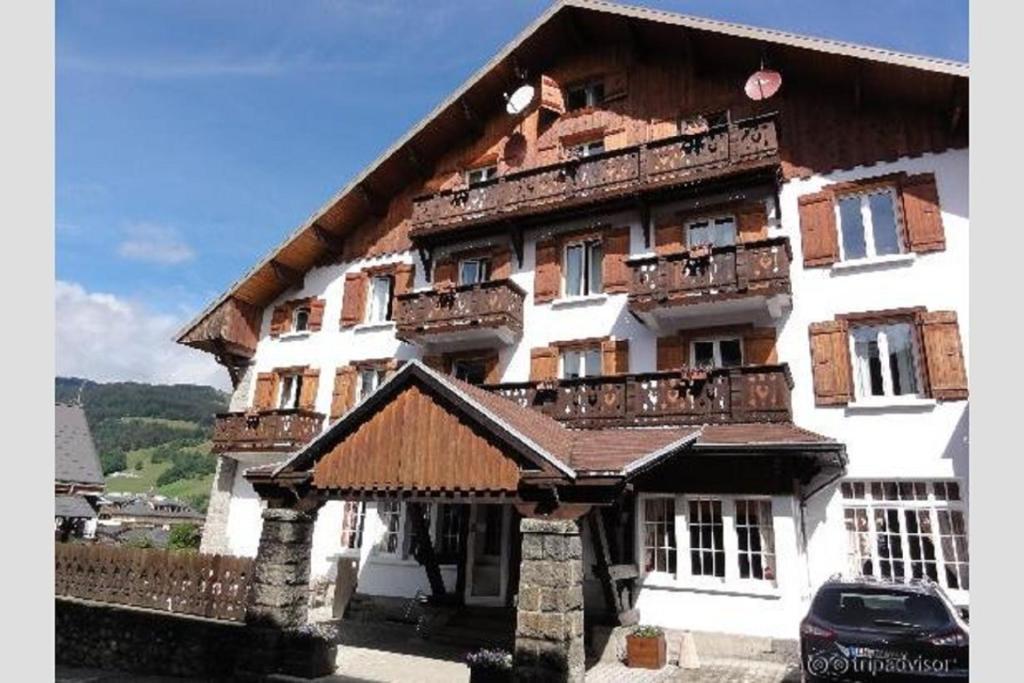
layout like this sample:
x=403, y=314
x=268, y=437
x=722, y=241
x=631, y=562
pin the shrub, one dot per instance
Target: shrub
x=113, y=461
x=495, y=659
x=184, y=537
x=647, y=632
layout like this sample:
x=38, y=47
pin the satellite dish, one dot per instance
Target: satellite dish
x=520, y=99
x=763, y=84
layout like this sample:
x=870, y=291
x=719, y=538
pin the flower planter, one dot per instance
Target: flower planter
x=646, y=652
x=488, y=675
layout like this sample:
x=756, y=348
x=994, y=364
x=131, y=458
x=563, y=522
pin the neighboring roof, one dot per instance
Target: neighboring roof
x=824, y=45
x=75, y=507
x=75, y=453
x=761, y=434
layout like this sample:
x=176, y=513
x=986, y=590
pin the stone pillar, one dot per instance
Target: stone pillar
x=215, y=528
x=549, y=625
x=279, y=592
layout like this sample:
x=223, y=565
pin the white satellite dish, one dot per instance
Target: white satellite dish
x=520, y=99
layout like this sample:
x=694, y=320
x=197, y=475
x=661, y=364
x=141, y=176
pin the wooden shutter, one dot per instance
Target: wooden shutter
x=405, y=274
x=944, y=356
x=310, y=384
x=616, y=85
x=921, y=215
x=353, y=306
x=344, y=396
x=493, y=369
x=280, y=320
x=614, y=356
x=551, y=97
x=316, y=314
x=446, y=270
x=752, y=222
x=668, y=235
x=830, y=361
x=672, y=353
x=543, y=364
x=818, y=229
x=501, y=264
x=546, y=273
x=615, y=273
x=266, y=388
x=759, y=346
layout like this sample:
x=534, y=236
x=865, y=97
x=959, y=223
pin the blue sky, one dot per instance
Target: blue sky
x=192, y=135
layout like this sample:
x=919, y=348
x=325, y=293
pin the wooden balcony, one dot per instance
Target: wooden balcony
x=622, y=174
x=759, y=393
x=752, y=276
x=265, y=431
x=489, y=313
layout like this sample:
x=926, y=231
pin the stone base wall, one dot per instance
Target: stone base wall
x=279, y=595
x=215, y=529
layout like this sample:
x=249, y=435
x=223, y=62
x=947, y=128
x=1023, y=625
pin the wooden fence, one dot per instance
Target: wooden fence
x=213, y=586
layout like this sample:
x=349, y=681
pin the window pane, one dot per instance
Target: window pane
x=577, y=99
x=470, y=274
x=868, y=362
x=723, y=233
x=571, y=364
x=707, y=550
x=596, y=94
x=852, y=228
x=731, y=352
x=470, y=371
x=380, y=299
x=698, y=233
x=883, y=224
x=659, y=535
x=352, y=514
x=573, y=270
x=704, y=354
x=367, y=383
x=901, y=360
x=594, y=268
x=593, y=363
x=301, y=319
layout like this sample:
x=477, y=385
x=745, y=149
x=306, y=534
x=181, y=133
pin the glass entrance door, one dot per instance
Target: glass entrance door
x=487, y=554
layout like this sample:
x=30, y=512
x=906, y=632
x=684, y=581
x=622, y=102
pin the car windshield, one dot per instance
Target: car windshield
x=875, y=607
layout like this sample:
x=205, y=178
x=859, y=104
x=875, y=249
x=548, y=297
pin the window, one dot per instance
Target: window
x=755, y=539
x=583, y=95
x=587, y=149
x=390, y=514
x=291, y=388
x=581, y=363
x=369, y=380
x=884, y=361
x=380, y=299
x=717, y=353
x=476, y=176
x=659, y=535
x=868, y=224
x=300, y=319
x=446, y=535
x=474, y=271
x=471, y=371
x=583, y=268
x=906, y=530
x=352, y=516
x=707, y=544
x=718, y=232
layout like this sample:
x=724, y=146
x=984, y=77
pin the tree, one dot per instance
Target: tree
x=184, y=537
x=113, y=461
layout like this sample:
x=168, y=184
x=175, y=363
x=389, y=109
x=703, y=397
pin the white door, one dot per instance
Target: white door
x=487, y=554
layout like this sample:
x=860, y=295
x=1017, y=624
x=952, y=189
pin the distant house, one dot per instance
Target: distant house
x=135, y=510
x=78, y=477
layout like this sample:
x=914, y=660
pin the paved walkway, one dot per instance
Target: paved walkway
x=711, y=671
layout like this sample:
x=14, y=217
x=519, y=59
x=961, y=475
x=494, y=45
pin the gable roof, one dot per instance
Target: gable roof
x=76, y=461
x=303, y=248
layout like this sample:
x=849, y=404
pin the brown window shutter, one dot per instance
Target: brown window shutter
x=266, y=387
x=614, y=356
x=546, y=274
x=446, y=270
x=543, y=364
x=551, y=97
x=435, y=363
x=353, y=306
x=493, y=370
x=616, y=274
x=668, y=235
x=673, y=353
x=310, y=384
x=830, y=361
x=818, y=229
x=944, y=355
x=280, y=320
x=921, y=213
x=316, y=314
x=616, y=85
x=344, y=396
x=752, y=222
x=405, y=274
x=501, y=264
x=759, y=347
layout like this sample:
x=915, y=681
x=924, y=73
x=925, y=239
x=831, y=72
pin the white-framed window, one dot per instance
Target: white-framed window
x=706, y=530
x=300, y=319
x=583, y=262
x=722, y=352
x=658, y=535
x=755, y=539
x=903, y=530
x=884, y=360
x=869, y=224
x=583, y=95
x=475, y=176
x=379, y=309
x=353, y=515
x=585, y=362
x=474, y=271
x=291, y=389
x=390, y=513
x=369, y=379
x=718, y=231
x=446, y=530
x=587, y=149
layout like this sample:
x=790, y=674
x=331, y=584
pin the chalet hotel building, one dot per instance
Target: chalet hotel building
x=719, y=338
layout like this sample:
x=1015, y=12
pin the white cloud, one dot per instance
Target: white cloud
x=107, y=338
x=154, y=243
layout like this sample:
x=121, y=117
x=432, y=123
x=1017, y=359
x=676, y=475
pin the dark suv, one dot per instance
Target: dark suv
x=865, y=630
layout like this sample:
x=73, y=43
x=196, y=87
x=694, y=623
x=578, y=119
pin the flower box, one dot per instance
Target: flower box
x=646, y=648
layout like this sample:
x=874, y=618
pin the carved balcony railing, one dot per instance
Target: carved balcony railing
x=721, y=151
x=744, y=270
x=756, y=393
x=487, y=311
x=269, y=430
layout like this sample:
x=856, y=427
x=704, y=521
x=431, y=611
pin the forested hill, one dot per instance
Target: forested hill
x=150, y=437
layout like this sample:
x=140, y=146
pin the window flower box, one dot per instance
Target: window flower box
x=646, y=648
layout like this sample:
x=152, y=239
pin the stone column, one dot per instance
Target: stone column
x=215, y=528
x=279, y=592
x=549, y=625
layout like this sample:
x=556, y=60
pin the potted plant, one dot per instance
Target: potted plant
x=645, y=648
x=489, y=665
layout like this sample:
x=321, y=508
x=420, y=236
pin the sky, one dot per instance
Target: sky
x=193, y=136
